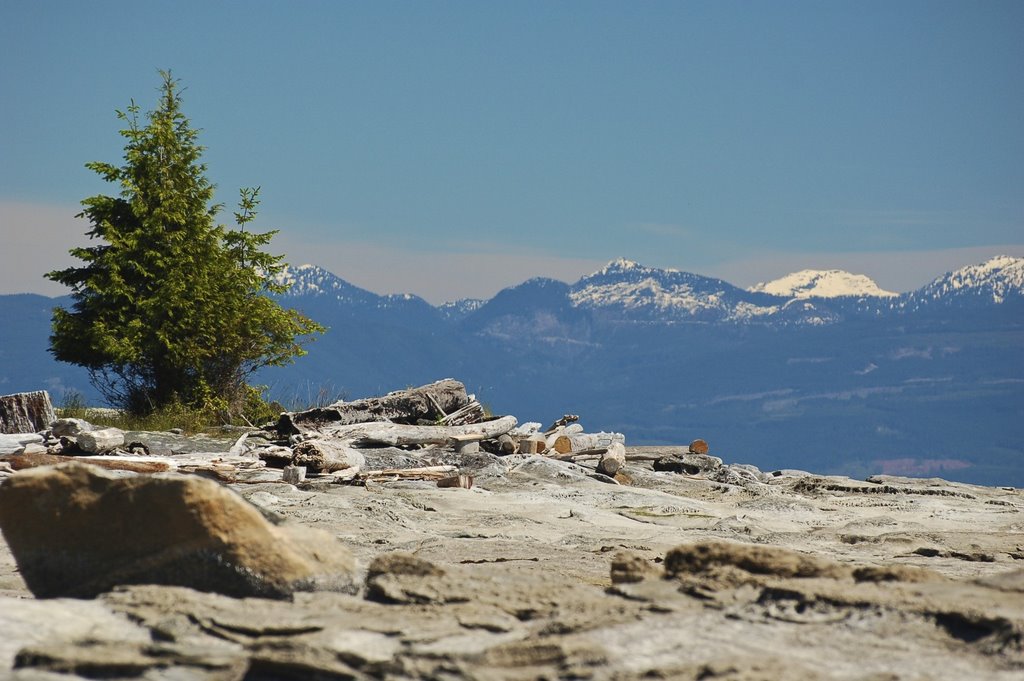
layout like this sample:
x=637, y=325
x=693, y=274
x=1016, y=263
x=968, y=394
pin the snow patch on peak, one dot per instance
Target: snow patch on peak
x=308, y=280
x=620, y=265
x=457, y=309
x=823, y=284
x=1000, y=276
x=1002, y=267
x=315, y=281
x=626, y=266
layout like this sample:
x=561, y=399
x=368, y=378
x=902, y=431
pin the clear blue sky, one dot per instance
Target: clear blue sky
x=451, y=148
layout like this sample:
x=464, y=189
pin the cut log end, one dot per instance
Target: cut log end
x=698, y=446
x=613, y=460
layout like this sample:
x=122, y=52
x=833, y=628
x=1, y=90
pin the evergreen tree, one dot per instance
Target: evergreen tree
x=169, y=305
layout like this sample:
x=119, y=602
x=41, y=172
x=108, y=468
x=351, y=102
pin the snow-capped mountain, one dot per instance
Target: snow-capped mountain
x=458, y=310
x=627, y=292
x=994, y=282
x=635, y=292
x=823, y=284
x=313, y=282
x=794, y=381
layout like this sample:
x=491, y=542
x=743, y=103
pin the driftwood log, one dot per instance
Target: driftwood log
x=399, y=435
x=562, y=422
x=533, y=444
x=582, y=455
x=463, y=481
x=276, y=457
x=558, y=440
x=326, y=456
x=698, y=446
x=471, y=413
x=26, y=412
x=293, y=474
x=424, y=473
x=563, y=443
x=504, y=445
x=22, y=461
x=431, y=402
x=612, y=460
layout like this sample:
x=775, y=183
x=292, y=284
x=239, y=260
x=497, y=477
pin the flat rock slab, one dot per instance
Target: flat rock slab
x=541, y=571
x=77, y=530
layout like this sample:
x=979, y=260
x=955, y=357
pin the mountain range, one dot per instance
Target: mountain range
x=821, y=370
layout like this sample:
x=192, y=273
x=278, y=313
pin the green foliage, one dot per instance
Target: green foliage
x=257, y=410
x=309, y=396
x=171, y=307
x=73, y=405
x=188, y=418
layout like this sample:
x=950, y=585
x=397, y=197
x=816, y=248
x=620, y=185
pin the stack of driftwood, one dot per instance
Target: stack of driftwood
x=343, y=442
x=336, y=439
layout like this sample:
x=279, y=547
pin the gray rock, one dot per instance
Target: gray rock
x=541, y=572
x=742, y=475
x=628, y=568
x=99, y=441
x=70, y=427
x=27, y=622
x=75, y=530
x=689, y=464
x=15, y=443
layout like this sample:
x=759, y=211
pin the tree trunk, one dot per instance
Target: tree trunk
x=429, y=403
x=398, y=435
x=471, y=413
x=581, y=441
x=463, y=481
x=698, y=446
x=22, y=461
x=612, y=460
x=26, y=412
x=425, y=473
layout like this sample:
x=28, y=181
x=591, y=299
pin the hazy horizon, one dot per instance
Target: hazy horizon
x=451, y=149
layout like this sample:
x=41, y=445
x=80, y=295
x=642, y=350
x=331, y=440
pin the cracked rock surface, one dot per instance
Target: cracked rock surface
x=543, y=571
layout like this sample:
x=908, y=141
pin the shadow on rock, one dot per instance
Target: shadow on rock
x=77, y=530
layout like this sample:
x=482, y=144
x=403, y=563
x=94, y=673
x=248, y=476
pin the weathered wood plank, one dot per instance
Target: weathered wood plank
x=22, y=461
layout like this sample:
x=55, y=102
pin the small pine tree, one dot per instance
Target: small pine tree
x=171, y=306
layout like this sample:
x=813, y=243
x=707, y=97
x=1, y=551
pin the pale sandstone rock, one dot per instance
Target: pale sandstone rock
x=15, y=443
x=69, y=427
x=98, y=441
x=804, y=577
x=76, y=530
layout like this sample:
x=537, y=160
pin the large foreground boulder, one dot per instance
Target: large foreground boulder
x=77, y=530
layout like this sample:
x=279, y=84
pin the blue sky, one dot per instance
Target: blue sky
x=453, y=148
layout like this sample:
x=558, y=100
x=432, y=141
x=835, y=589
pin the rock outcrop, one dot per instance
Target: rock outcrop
x=542, y=569
x=77, y=530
